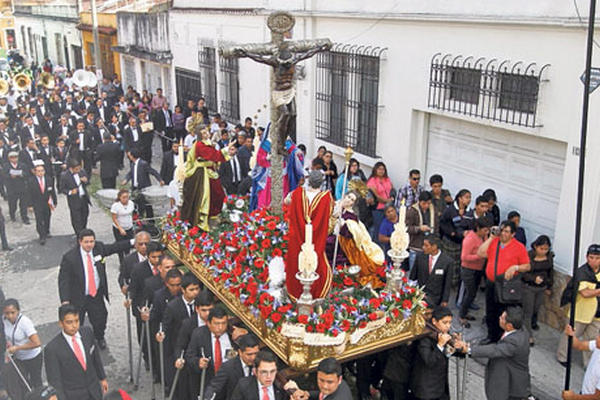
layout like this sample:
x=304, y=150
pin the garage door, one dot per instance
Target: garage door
x=525, y=171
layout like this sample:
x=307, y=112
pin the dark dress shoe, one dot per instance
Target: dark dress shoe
x=7, y=248
x=563, y=363
x=535, y=327
x=102, y=344
x=42, y=241
x=27, y=222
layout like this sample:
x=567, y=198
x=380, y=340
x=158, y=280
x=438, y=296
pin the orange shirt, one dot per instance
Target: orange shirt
x=513, y=253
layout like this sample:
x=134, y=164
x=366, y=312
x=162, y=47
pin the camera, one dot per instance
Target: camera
x=495, y=230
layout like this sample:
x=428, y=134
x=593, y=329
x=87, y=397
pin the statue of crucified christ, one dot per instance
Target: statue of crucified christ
x=282, y=55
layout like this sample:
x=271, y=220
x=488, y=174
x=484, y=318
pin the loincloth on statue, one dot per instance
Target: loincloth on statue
x=283, y=97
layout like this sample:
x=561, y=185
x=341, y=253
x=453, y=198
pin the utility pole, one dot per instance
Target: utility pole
x=582, y=151
x=97, y=60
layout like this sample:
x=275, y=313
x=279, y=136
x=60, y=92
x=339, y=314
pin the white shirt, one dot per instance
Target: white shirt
x=124, y=214
x=200, y=321
x=246, y=368
x=81, y=141
x=173, y=191
x=141, y=257
x=235, y=169
x=225, y=345
x=168, y=123
x=591, y=379
x=85, y=269
x=270, y=391
x=18, y=334
x=434, y=260
x=189, y=141
x=187, y=305
x=134, y=131
x=134, y=178
x=69, y=340
x=79, y=185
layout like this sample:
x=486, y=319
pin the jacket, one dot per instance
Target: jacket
x=414, y=220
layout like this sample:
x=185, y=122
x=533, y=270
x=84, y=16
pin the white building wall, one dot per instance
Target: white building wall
x=544, y=32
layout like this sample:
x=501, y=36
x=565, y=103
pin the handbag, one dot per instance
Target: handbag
x=507, y=291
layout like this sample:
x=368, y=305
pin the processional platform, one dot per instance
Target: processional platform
x=233, y=263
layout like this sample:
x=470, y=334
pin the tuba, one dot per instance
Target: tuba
x=47, y=80
x=4, y=87
x=22, y=82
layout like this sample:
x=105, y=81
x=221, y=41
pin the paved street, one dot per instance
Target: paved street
x=29, y=273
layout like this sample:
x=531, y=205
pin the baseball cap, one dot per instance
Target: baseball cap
x=594, y=249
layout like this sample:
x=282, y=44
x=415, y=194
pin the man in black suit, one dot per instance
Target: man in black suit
x=28, y=155
x=169, y=163
x=16, y=189
x=507, y=371
x=73, y=183
x=141, y=240
x=132, y=135
x=260, y=386
x=432, y=270
x=43, y=198
x=233, y=172
x=73, y=364
x=139, y=273
x=161, y=117
x=145, y=145
x=208, y=348
x=82, y=279
x=233, y=370
x=330, y=381
x=100, y=110
x=29, y=130
x=139, y=174
x=109, y=155
x=46, y=154
x=83, y=146
x=178, y=311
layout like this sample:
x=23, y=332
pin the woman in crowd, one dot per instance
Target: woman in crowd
x=354, y=172
x=382, y=190
x=453, y=224
x=330, y=170
x=178, y=120
x=494, y=210
x=538, y=281
x=24, y=346
x=122, y=217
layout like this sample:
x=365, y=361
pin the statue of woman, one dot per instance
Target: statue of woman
x=355, y=244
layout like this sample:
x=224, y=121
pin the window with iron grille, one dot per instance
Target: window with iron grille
x=502, y=92
x=464, y=84
x=518, y=93
x=347, y=95
x=230, y=89
x=207, y=62
x=187, y=83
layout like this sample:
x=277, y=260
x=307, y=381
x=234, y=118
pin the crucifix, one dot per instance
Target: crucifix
x=282, y=55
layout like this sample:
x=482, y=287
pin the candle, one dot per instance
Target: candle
x=308, y=234
x=402, y=211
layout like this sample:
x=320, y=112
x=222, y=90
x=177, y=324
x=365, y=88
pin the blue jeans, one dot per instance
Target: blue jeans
x=412, y=256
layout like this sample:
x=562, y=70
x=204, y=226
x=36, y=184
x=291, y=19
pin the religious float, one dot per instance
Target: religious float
x=268, y=265
x=242, y=264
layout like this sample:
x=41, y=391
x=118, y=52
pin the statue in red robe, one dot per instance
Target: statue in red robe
x=203, y=193
x=314, y=206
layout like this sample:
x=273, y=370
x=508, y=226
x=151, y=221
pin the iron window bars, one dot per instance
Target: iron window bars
x=187, y=84
x=230, y=94
x=347, y=93
x=501, y=92
x=207, y=66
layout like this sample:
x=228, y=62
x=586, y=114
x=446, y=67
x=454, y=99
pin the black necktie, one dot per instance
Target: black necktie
x=235, y=174
x=191, y=307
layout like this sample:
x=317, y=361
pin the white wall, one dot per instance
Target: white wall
x=404, y=77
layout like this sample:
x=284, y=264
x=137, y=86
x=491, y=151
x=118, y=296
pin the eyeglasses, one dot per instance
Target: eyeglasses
x=418, y=178
x=267, y=373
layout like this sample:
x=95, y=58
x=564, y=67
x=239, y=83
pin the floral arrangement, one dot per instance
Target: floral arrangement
x=239, y=258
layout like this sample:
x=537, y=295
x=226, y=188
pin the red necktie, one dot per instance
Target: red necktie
x=265, y=395
x=321, y=396
x=218, y=357
x=41, y=182
x=78, y=353
x=91, y=277
x=430, y=264
x=154, y=271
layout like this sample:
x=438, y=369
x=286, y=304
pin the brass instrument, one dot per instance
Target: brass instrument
x=47, y=80
x=22, y=82
x=4, y=87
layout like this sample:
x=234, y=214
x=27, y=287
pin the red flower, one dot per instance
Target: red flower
x=321, y=328
x=348, y=281
x=194, y=231
x=253, y=247
x=272, y=226
x=276, y=317
x=345, y=325
x=265, y=311
x=375, y=302
x=303, y=319
x=309, y=328
x=197, y=251
x=362, y=324
x=335, y=332
x=265, y=298
x=252, y=288
x=266, y=243
x=259, y=263
x=372, y=316
x=277, y=253
x=395, y=312
x=407, y=304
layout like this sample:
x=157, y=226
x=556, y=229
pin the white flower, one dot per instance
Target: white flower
x=239, y=203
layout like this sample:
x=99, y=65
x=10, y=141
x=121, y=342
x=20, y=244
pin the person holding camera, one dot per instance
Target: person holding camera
x=506, y=258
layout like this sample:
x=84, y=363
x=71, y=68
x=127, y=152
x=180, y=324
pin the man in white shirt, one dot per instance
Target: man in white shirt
x=261, y=384
x=590, y=388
